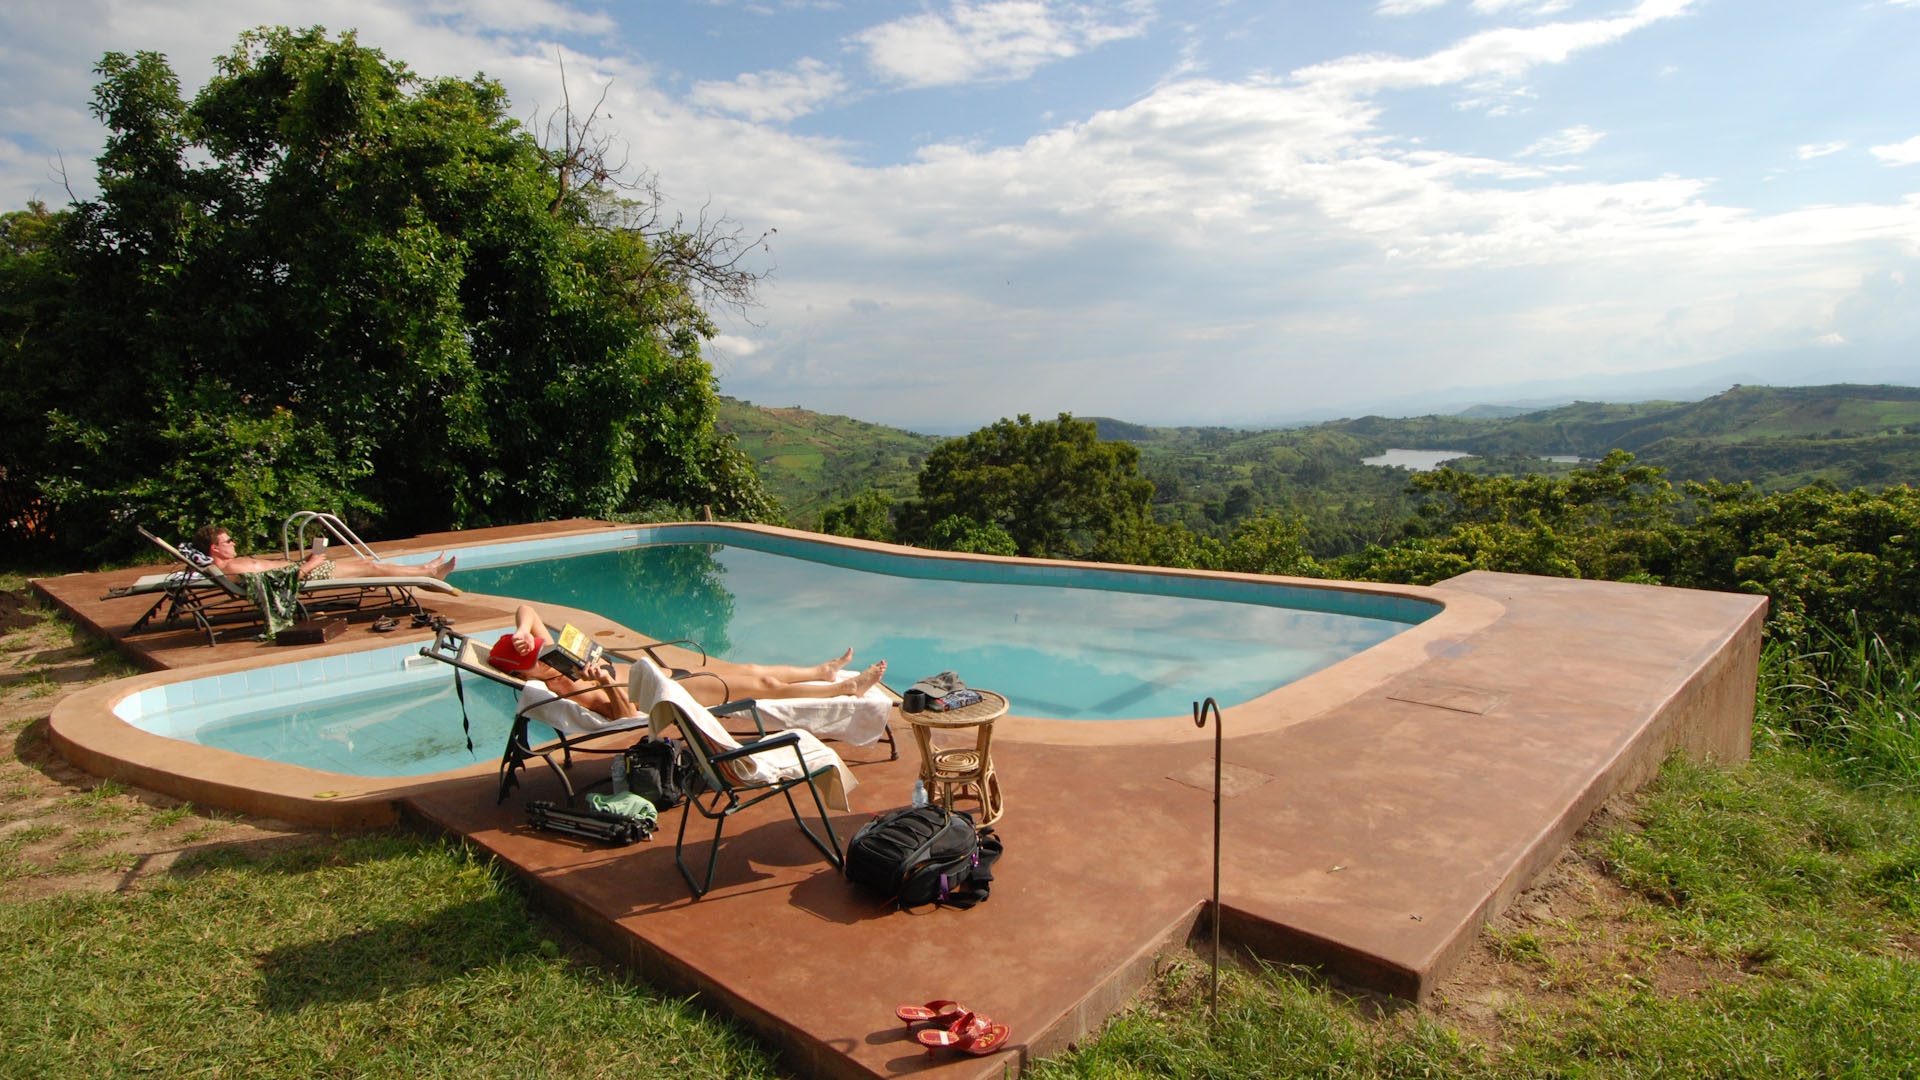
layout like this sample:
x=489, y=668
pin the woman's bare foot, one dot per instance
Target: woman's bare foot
x=830, y=670
x=440, y=567
x=868, y=679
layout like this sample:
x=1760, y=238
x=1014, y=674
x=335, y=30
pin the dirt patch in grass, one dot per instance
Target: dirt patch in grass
x=1574, y=931
x=15, y=613
x=64, y=830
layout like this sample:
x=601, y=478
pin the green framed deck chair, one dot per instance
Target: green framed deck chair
x=738, y=775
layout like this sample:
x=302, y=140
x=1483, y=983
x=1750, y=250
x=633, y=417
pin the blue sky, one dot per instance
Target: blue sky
x=1204, y=212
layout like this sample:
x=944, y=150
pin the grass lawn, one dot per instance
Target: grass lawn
x=1755, y=920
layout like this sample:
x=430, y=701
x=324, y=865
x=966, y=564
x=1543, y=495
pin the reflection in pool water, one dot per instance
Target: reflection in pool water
x=1111, y=646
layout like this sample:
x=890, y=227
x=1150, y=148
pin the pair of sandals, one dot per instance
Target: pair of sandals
x=956, y=1027
x=387, y=624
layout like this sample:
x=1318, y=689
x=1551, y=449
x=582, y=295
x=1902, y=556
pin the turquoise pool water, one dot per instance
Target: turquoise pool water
x=385, y=712
x=1060, y=642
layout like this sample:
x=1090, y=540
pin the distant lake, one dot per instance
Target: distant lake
x=1417, y=460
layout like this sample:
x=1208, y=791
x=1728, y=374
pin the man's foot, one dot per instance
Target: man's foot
x=868, y=679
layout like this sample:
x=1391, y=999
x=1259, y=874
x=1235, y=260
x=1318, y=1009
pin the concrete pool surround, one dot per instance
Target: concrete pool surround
x=1377, y=812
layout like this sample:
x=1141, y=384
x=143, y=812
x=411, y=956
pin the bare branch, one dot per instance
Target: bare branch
x=707, y=257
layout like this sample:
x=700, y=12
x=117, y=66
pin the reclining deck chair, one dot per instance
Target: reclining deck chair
x=573, y=724
x=738, y=775
x=205, y=595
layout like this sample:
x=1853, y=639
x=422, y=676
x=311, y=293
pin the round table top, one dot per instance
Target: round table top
x=991, y=706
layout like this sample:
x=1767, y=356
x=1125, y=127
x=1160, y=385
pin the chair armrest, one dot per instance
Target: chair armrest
x=655, y=657
x=771, y=742
x=726, y=692
x=744, y=705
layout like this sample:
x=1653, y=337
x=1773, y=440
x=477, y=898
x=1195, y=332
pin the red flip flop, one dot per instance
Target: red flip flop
x=970, y=1034
x=939, y=1012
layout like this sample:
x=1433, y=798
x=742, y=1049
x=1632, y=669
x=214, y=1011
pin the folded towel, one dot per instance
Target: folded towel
x=939, y=685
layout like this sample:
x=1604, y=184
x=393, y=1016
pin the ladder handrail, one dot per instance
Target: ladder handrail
x=299, y=523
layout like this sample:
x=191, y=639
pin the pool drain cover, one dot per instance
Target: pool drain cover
x=1465, y=699
x=1234, y=779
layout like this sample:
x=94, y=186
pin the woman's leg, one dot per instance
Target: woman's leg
x=746, y=682
x=770, y=674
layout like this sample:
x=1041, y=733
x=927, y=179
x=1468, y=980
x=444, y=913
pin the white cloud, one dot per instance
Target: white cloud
x=995, y=41
x=1492, y=58
x=1530, y=7
x=776, y=96
x=1901, y=153
x=1406, y=7
x=1564, y=143
x=1819, y=150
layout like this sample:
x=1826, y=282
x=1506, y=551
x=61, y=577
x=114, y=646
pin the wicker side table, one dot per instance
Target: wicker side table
x=961, y=771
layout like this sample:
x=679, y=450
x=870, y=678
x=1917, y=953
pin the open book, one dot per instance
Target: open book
x=573, y=652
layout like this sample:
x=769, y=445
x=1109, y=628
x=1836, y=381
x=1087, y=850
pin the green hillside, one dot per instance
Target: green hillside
x=810, y=460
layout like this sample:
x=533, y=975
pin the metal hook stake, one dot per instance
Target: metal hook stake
x=1200, y=711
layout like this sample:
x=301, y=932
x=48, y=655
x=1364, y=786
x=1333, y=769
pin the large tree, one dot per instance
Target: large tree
x=326, y=280
x=1054, y=487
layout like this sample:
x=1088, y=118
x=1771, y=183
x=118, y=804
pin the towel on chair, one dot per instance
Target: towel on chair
x=564, y=716
x=650, y=686
x=859, y=721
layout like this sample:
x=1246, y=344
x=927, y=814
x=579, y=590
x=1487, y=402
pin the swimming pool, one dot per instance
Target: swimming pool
x=1062, y=642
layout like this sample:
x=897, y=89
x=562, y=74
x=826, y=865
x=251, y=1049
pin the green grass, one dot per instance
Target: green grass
x=384, y=955
x=1848, y=698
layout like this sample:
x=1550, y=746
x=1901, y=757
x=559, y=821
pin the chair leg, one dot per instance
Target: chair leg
x=713, y=855
x=832, y=853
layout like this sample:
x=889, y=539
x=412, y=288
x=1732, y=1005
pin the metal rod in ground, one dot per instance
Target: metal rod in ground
x=1200, y=711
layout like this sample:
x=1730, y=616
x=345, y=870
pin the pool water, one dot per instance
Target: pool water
x=1069, y=643
x=387, y=712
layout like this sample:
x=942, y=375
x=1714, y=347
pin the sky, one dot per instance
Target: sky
x=1203, y=212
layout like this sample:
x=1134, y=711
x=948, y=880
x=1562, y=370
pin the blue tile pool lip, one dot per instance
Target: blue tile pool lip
x=92, y=734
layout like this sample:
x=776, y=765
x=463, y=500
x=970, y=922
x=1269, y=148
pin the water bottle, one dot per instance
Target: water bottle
x=620, y=774
x=919, y=793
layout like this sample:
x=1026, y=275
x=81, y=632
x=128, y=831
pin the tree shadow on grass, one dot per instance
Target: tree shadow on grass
x=395, y=956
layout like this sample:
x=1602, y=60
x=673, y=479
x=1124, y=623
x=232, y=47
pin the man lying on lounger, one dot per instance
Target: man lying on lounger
x=218, y=546
x=519, y=653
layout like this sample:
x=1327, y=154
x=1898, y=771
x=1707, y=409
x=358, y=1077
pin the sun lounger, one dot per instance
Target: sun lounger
x=204, y=595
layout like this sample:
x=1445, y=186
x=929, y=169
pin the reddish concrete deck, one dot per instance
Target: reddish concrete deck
x=1409, y=797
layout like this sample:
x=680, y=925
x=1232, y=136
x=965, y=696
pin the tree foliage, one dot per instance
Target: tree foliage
x=376, y=292
x=1055, y=488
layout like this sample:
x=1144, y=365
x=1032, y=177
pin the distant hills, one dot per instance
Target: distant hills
x=1774, y=437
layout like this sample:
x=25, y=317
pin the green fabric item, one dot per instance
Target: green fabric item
x=276, y=593
x=626, y=804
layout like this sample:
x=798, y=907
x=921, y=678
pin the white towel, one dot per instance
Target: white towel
x=649, y=686
x=856, y=720
x=566, y=716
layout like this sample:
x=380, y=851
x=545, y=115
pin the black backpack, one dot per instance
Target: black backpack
x=659, y=771
x=923, y=854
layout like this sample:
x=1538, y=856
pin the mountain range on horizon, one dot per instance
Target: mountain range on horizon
x=1815, y=366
